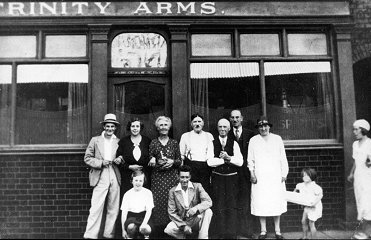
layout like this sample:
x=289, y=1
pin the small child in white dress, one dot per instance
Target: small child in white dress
x=137, y=205
x=313, y=192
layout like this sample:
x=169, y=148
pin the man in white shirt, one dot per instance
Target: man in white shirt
x=224, y=181
x=188, y=208
x=105, y=177
x=196, y=147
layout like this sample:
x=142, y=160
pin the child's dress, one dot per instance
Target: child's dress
x=311, y=190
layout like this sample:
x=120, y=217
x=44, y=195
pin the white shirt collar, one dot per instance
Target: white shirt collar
x=179, y=186
x=113, y=136
x=239, y=129
x=225, y=139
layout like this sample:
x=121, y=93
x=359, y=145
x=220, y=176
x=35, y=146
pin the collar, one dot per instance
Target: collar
x=179, y=187
x=197, y=134
x=225, y=138
x=239, y=129
x=113, y=136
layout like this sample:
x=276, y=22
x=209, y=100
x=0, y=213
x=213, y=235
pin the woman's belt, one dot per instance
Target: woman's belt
x=225, y=174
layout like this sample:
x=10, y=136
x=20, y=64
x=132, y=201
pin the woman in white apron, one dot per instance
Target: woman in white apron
x=268, y=166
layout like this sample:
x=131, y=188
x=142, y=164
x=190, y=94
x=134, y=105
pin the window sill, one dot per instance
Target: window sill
x=43, y=149
x=312, y=144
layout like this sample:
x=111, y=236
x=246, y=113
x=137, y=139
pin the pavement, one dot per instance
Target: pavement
x=326, y=234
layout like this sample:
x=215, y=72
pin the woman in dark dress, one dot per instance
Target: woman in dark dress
x=134, y=151
x=165, y=159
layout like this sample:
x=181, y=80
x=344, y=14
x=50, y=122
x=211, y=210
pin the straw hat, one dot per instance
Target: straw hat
x=110, y=118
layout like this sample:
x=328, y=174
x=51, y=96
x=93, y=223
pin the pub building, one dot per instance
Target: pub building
x=64, y=65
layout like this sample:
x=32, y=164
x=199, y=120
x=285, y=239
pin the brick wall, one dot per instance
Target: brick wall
x=361, y=37
x=329, y=165
x=43, y=196
x=48, y=196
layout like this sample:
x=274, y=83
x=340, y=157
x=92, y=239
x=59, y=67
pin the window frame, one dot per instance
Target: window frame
x=116, y=71
x=39, y=60
x=283, y=31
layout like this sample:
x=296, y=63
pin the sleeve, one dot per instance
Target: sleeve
x=206, y=201
x=173, y=211
x=318, y=191
x=283, y=159
x=210, y=146
x=214, y=162
x=152, y=149
x=237, y=158
x=90, y=158
x=177, y=159
x=120, y=150
x=250, y=156
x=125, y=203
x=150, y=203
x=298, y=187
x=183, y=144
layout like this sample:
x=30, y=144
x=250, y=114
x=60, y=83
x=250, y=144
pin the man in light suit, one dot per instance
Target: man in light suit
x=105, y=177
x=188, y=207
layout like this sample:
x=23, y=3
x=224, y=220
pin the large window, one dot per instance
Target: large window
x=218, y=88
x=298, y=94
x=44, y=102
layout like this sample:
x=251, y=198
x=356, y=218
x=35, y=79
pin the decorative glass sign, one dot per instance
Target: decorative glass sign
x=139, y=50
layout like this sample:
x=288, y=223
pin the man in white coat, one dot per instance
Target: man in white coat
x=105, y=177
x=268, y=167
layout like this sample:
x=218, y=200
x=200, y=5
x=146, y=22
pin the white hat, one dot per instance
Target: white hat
x=110, y=118
x=362, y=123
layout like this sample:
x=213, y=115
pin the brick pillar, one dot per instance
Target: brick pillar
x=179, y=79
x=348, y=108
x=98, y=79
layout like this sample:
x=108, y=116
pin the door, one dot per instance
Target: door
x=138, y=79
x=145, y=98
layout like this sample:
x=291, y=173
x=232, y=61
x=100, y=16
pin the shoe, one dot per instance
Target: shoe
x=263, y=235
x=359, y=235
x=279, y=236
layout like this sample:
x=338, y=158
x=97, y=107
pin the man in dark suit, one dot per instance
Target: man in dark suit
x=189, y=208
x=242, y=137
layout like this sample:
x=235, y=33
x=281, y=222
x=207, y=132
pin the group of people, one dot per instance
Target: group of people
x=203, y=184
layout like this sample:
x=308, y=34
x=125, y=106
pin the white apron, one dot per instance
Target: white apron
x=268, y=158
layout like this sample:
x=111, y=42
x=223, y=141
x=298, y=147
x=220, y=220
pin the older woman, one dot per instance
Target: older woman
x=268, y=167
x=165, y=158
x=361, y=174
x=134, y=149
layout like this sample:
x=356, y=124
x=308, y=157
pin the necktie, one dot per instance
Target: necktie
x=223, y=143
x=136, y=152
x=237, y=135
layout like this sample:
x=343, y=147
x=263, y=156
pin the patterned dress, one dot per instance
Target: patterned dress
x=162, y=180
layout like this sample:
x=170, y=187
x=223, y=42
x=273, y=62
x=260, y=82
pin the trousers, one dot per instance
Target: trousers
x=107, y=188
x=203, y=220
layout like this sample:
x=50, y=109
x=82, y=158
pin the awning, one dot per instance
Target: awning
x=223, y=70
x=282, y=68
x=5, y=74
x=238, y=70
